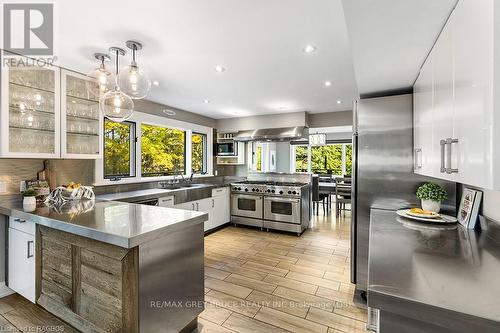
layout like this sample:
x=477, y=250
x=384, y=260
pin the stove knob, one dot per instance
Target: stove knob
x=239, y=188
x=290, y=192
x=236, y=189
x=268, y=191
x=246, y=190
x=273, y=191
x=253, y=190
x=281, y=192
x=294, y=192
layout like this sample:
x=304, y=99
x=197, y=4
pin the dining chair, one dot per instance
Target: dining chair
x=317, y=197
x=343, y=186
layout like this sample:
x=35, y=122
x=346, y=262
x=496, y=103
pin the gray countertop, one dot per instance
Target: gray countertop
x=118, y=223
x=184, y=194
x=456, y=271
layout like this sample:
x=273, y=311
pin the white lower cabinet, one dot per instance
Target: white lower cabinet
x=21, y=267
x=217, y=207
x=221, y=203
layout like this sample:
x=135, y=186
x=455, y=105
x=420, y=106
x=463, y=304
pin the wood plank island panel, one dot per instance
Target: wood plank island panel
x=89, y=284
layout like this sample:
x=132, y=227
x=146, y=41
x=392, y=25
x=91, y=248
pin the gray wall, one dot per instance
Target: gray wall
x=265, y=121
x=330, y=119
x=157, y=110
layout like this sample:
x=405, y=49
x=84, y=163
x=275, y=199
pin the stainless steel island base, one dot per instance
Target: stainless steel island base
x=171, y=281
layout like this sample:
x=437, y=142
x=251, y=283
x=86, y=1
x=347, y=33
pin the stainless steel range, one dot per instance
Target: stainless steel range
x=271, y=205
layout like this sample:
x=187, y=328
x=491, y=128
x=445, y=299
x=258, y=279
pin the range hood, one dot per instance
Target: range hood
x=273, y=134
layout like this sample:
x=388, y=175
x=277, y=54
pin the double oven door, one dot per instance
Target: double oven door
x=282, y=209
x=246, y=205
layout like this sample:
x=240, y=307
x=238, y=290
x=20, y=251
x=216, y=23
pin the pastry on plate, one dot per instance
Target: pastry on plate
x=419, y=212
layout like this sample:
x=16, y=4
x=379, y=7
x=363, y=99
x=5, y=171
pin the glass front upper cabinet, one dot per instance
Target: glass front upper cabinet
x=81, y=123
x=30, y=117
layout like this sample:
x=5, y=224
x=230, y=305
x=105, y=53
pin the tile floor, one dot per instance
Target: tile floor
x=277, y=282
x=256, y=282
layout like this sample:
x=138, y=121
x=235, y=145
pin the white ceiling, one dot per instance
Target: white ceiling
x=391, y=38
x=259, y=42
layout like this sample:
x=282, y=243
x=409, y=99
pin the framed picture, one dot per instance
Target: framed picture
x=469, y=208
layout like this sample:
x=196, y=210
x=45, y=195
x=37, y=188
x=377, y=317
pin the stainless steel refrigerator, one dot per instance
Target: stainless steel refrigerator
x=383, y=175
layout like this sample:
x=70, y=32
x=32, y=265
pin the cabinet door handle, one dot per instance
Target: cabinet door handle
x=442, y=143
x=417, y=157
x=193, y=205
x=213, y=203
x=197, y=206
x=19, y=220
x=29, y=255
x=450, y=142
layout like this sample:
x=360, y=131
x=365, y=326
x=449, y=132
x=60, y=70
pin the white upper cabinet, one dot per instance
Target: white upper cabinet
x=460, y=119
x=30, y=115
x=81, y=122
x=474, y=95
x=46, y=112
x=423, y=95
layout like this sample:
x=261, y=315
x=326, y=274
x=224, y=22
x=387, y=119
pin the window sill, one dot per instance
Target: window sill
x=133, y=180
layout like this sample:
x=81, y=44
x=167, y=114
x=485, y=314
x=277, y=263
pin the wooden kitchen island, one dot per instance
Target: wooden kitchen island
x=118, y=267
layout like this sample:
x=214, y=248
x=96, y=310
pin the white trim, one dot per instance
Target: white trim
x=139, y=118
x=4, y=290
x=293, y=157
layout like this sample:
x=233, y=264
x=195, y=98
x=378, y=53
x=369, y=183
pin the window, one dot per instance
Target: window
x=119, y=143
x=163, y=151
x=148, y=147
x=326, y=159
x=333, y=159
x=348, y=160
x=199, y=153
x=300, y=158
x=258, y=157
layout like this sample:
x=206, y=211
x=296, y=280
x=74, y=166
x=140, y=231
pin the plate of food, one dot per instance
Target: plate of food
x=426, y=216
x=419, y=212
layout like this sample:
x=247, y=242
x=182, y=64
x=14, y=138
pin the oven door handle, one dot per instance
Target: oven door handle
x=282, y=199
x=246, y=196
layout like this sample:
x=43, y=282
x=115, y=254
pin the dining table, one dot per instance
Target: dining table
x=327, y=188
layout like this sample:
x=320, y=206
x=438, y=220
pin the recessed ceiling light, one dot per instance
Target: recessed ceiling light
x=309, y=49
x=339, y=102
x=328, y=83
x=206, y=101
x=281, y=108
x=169, y=112
x=220, y=68
x=156, y=83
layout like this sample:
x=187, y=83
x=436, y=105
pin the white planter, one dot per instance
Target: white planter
x=432, y=206
x=29, y=204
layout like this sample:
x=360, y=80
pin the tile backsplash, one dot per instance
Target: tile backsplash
x=12, y=171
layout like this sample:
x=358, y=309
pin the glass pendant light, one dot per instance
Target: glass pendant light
x=132, y=80
x=102, y=77
x=115, y=104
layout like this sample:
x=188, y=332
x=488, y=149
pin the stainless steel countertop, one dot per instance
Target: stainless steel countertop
x=118, y=223
x=182, y=194
x=441, y=275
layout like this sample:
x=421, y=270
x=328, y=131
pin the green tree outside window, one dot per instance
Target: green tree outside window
x=162, y=151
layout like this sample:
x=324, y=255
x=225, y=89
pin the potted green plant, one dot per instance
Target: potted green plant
x=431, y=195
x=29, y=199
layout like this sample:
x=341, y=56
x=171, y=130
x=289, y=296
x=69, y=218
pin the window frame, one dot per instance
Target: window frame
x=138, y=118
x=204, y=162
x=133, y=139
